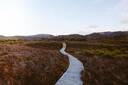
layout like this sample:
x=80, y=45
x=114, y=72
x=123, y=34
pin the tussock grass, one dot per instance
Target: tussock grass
x=31, y=62
x=105, y=63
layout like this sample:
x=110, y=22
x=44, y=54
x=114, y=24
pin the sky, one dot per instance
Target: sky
x=57, y=17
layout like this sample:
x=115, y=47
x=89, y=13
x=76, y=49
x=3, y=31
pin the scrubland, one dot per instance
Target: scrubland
x=30, y=62
x=40, y=62
x=105, y=63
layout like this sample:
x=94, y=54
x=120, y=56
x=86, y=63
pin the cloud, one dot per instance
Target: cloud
x=92, y=29
x=93, y=26
x=122, y=7
x=124, y=21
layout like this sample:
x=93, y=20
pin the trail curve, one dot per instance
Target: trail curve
x=73, y=74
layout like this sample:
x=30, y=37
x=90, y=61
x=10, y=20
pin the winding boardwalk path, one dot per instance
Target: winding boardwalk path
x=73, y=74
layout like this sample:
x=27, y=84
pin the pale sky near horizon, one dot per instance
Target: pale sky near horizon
x=28, y=17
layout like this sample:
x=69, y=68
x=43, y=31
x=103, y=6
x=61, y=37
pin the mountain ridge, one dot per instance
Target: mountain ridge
x=95, y=35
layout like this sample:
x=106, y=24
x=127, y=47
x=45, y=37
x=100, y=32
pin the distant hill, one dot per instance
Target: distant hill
x=2, y=37
x=34, y=37
x=119, y=35
x=94, y=36
x=70, y=37
x=103, y=35
x=31, y=37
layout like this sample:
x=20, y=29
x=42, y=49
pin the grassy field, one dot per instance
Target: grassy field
x=30, y=62
x=105, y=63
x=40, y=63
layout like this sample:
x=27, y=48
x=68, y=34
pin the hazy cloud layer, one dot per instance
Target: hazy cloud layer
x=27, y=17
x=123, y=8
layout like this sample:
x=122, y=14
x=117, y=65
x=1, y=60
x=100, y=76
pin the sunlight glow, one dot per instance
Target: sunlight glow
x=26, y=17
